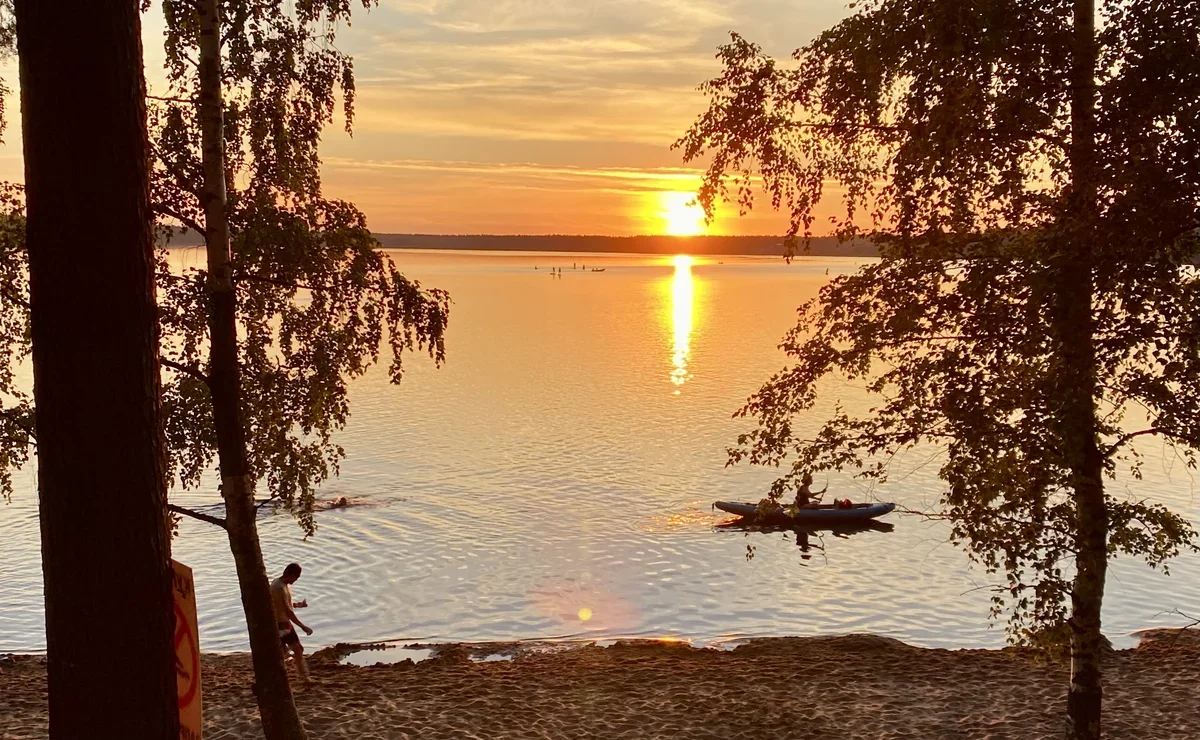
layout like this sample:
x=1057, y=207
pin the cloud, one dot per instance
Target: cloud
x=526, y=116
x=538, y=97
x=626, y=179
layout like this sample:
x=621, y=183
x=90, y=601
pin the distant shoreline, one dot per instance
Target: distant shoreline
x=824, y=246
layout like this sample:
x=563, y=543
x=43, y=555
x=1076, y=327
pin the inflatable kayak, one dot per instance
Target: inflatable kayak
x=823, y=512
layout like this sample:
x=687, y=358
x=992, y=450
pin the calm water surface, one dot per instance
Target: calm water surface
x=554, y=479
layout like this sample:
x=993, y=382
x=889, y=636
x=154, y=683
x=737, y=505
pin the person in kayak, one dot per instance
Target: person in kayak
x=805, y=495
x=281, y=598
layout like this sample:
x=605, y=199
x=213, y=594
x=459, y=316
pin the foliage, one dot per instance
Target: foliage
x=315, y=303
x=16, y=404
x=944, y=128
x=315, y=300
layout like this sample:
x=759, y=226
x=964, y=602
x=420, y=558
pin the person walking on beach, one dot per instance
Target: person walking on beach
x=285, y=616
x=804, y=495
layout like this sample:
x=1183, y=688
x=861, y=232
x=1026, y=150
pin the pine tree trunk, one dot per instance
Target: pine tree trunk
x=101, y=466
x=1074, y=322
x=275, y=705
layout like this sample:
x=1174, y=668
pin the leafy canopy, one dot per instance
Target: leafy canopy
x=315, y=299
x=944, y=128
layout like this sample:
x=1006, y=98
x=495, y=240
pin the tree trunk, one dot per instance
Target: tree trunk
x=101, y=466
x=1074, y=324
x=275, y=705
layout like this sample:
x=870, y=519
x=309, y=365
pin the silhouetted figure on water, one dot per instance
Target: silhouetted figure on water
x=805, y=496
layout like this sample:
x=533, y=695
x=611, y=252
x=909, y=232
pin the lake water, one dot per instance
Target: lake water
x=554, y=480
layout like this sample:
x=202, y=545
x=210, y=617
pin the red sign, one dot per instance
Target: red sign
x=187, y=653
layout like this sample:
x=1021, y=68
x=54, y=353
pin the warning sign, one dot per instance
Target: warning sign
x=187, y=653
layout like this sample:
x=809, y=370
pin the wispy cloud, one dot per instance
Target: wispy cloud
x=653, y=179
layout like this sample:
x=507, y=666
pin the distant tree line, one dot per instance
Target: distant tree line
x=646, y=244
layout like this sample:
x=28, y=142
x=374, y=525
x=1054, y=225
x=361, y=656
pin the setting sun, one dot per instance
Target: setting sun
x=681, y=215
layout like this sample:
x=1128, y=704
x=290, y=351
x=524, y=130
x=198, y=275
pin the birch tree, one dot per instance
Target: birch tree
x=294, y=301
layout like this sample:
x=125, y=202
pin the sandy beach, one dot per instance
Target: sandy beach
x=856, y=686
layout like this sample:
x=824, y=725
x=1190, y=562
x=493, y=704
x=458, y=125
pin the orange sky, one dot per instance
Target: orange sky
x=528, y=116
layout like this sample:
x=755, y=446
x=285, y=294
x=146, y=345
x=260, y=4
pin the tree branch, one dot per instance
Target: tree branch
x=166, y=210
x=845, y=125
x=890, y=129
x=173, y=277
x=1152, y=430
x=197, y=515
x=172, y=100
x=276, y=281
x=995, y=515
x=945, y=338
x=189, y=370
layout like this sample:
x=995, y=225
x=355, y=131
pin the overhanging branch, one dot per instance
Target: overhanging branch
x=1161, y=431
x=172, y=100
x=277, y=281
x=187, y=221
x=189, y=370
x=197, y=515
x=892, y=129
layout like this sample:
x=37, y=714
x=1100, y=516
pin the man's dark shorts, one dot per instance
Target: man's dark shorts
x=288, y=637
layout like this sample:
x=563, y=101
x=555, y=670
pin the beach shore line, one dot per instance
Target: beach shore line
x=854, y=686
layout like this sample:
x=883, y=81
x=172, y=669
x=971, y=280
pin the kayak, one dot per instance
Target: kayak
x=823, y=512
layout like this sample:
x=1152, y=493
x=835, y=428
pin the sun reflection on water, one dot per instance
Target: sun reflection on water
x=682, y=299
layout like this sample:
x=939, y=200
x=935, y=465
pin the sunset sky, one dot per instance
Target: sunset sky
x=527, y=116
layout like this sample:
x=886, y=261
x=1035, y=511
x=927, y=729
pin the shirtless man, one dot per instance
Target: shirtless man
x=281, y=597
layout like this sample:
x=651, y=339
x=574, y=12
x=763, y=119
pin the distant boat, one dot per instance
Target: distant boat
x=598, y=269
x=823, y=512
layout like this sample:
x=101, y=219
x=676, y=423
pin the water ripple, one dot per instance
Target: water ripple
x=548, y=482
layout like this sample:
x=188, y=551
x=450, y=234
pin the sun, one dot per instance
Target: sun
x=681, y=215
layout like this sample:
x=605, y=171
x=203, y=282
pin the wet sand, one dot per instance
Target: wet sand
x=856, y=686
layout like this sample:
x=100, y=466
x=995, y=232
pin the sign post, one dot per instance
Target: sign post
x=187, y=653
